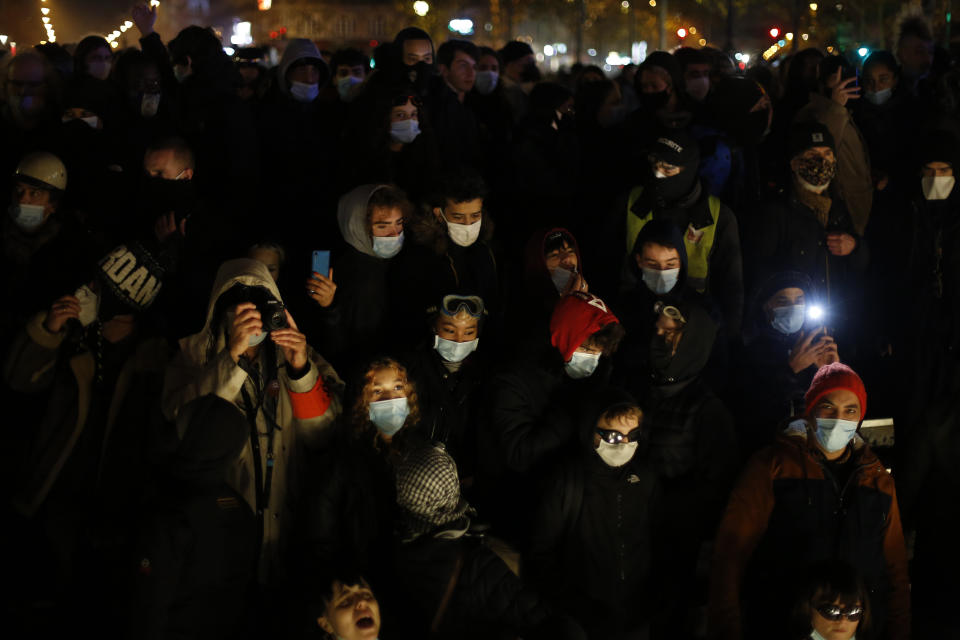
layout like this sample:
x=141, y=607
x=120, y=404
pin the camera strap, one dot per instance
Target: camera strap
x=263, y=478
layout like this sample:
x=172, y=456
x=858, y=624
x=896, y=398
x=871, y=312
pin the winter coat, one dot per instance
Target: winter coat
x=124, y=437
x=786, y=514
x=456, y=125
x=305, y=408
x=853, y=160
x=432, y=266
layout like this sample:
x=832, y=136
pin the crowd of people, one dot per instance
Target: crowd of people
x=435, y=345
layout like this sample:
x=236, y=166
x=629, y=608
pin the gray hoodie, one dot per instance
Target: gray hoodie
x=300, y=49
x=352, y=217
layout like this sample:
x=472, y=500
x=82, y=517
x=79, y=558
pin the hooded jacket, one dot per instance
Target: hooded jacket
x=305, y=407
x=787, y=513
x=300, y=49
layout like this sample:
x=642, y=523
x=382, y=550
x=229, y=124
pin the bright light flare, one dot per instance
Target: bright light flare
x=816, y=312
x=421, y=8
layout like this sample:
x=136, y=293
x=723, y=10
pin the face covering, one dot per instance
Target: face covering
x=388, y=246
x=879, y=97
x=344, y=85
x=92, y=121
x=616, y=455
x=582, y=365
x=937, y=187
x=389, y=415
x=149, y=104
x=464, y=234
x=454, y=351
x=698, y=88
x=99, y=69
x=655, y=101
x=303, y=92
x=405, y=131
x=788, y=320
x=28, y=217
x=486, y=82
x=561, y=279
x=816, y=172
x=89, y=302
x=181, y=72
x=419, y=75
x=834, y=434
x=660, y=282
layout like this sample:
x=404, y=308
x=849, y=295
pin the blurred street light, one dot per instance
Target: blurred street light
x=421, y=8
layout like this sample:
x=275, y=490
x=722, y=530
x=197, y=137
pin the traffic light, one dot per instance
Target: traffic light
x=774, y=32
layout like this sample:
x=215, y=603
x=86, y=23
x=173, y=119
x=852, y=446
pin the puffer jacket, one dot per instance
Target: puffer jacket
x=305, y=408
x=788, y=513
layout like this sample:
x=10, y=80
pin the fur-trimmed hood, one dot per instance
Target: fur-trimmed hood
x=427, y=230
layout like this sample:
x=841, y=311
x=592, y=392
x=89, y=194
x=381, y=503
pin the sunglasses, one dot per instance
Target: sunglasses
x=612, y=436
x=834, y=612
x=453, y=304
x=400, y=101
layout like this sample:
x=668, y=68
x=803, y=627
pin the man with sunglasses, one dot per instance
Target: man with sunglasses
x=591, y=546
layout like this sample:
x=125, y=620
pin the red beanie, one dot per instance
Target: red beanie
x=575, y=318
x=832, y=377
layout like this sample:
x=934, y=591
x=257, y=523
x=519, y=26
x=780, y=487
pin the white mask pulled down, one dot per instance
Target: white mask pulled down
x=89, y=305
x=937, y=187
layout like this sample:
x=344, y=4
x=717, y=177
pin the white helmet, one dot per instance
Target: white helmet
x=43, y=168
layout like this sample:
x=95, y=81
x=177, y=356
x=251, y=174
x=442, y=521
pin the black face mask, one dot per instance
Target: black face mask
x=655, y=101
x=160, y=197
x=419, y=75
x=530, y=73
x=672, y=189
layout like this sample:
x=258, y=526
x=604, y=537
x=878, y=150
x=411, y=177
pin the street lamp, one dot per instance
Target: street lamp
x=421, y=8
x=3, y=39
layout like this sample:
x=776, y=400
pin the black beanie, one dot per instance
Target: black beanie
x=514, y=50
x=806, y=135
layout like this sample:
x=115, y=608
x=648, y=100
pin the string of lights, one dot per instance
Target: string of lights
x=114, y=36
x=47, y=23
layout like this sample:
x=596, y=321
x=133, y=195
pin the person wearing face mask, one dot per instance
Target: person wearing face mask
x=451, y=374
x=830, y=106
x=91, y=364
x=414, y=47
x=695, y=66
x=350, y=68
x=592, y=549
x=818, y=493
x=359, y=322
x=29, y=102
x=809, y=229
x=531, y=406
x=518, y=74
x=92, y=59
x=783, y=349
x=663, y=101
x=450, y=250
x=251, y=353
x=349, y=504
x=674, y=192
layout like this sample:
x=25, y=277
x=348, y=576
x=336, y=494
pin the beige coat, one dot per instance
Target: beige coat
x=853, y=161
x=204, y=366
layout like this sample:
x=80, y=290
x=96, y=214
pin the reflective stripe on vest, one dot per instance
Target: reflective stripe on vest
x=698, y=252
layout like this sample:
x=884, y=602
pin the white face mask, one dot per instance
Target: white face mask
x=454, y=351
x=387, y=246
x=28, y=217
x=389, y=415
x=698, y=88
x=464, y=234
x=582, y=364
x=879, y=97
x=616, y=455
x=92, y=121
x=99, y=69
x=345, y=86
x=835, y=434
x=658, y=281
x=404, y=131
x=89, y=305
x=937, y=187
x=149, y=104
x=561, y=279
x=303, y=92
x=486, y=82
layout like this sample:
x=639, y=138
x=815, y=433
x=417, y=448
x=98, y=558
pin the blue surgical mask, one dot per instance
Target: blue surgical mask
x=344, y=86
x=834, y=434
x=582, y=365
x=404, y=131
x=660, y=282
x=788, y=320
x=454, y=351
x=303, y=92
x=387, y=246
x=389, y=415
x=879, y=97
x=561, y=279
x=486, y=82
x=28, y=217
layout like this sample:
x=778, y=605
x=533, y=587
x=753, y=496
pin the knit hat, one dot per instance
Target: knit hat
x=806, y=135
x=575, y=318
x=132, y=275
x=428, y=490
x=835, y=376
x=514, y=50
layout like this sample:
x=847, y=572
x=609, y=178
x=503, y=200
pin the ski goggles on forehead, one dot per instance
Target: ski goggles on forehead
x=833, y=612
x=612, y=436
x=452, y=305
x=670, y=311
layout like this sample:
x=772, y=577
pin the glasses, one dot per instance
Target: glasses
x=833, y=612
x=453, y=304
x=670, y=311
x=612, y=436
x=400, y=101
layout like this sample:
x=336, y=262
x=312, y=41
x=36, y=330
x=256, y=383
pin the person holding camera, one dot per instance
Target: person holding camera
x=251, y=353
